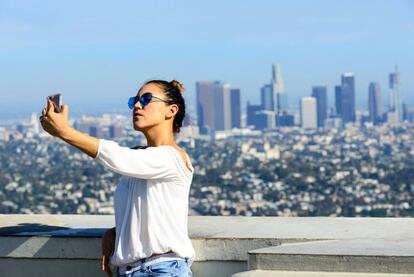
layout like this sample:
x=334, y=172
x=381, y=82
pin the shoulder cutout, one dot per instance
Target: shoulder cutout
x=185, y=158
x=139, y=147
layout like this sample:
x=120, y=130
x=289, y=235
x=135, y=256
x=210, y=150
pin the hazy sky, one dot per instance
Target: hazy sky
x=98, y=53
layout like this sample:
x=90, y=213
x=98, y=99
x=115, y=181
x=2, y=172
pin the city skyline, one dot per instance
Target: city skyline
x=284, y=104
x=98, y=54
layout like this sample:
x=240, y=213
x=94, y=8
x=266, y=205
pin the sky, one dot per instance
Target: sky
x=98, y=53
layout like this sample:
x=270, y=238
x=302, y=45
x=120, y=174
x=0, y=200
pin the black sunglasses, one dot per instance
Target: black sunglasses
x=144, y=100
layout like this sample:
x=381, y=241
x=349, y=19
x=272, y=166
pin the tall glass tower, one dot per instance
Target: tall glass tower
x=235, y=107
x=347, y=97
x=394, y=95
x=374, y=102
x=214, y=101
x=205, y=94
x=319, y=92
x=278, y=89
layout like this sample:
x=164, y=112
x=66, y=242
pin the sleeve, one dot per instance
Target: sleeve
x=149, y=163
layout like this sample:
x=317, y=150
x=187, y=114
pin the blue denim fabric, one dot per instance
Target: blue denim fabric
x=176, y=268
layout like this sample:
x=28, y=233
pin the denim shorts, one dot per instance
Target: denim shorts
x=177, y=268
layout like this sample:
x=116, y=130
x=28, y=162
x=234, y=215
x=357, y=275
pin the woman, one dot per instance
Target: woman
x=151, y=198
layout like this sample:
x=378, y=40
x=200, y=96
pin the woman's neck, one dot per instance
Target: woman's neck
x=159, y=137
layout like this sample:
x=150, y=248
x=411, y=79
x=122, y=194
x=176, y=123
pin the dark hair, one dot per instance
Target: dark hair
x=173, y=91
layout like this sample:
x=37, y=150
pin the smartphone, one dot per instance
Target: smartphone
x=57, y=101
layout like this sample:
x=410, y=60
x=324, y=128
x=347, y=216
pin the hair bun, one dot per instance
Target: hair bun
x=177, y=85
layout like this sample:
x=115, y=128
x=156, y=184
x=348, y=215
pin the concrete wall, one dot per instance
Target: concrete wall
x=69, y=245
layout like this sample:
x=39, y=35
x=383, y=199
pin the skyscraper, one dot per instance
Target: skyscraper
x=222, y=107
x=188, y=120
x=267, y=98
x=394, y=95
x=308, y=114
x=374, y=102
x=235, y=108
x=404, y=112
x=205, y=98
x=273, y=97
x=338, y=101
x=116, y=131
x=264, y=120
x=277, y=80
x=320, y=93
x=285, y=120
x=345, y=98
x=408, y=113
x=251, y=114
x=214, y=112
x=278, y=89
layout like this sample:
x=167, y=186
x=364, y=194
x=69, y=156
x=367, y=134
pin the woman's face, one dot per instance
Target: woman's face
x=152, y=114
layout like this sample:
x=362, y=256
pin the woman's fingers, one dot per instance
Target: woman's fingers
x=108, y=238
x=105, y=266
x=50, y=107
x=65, y=109
x=43, y=115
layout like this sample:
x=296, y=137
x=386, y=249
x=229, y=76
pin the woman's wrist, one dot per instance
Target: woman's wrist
x=65, y=133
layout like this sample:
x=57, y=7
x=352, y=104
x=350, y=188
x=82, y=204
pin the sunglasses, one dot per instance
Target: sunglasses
x=144, y=100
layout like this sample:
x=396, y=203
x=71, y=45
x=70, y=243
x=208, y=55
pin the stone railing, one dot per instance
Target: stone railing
x=69, y=245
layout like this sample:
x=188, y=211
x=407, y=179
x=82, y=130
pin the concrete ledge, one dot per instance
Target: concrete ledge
x=49, y=267
x=355, y=247
x=222, y=243
x=379, y=256
x=282, y=228
x=271, y=273
x=50, y=247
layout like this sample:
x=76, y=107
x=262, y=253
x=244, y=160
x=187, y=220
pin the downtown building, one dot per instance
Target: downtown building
x=273, y=110
x=394, y=104
x=218, y=107
x=320, y=94
x=374, y=103
x=345, y=98
x=273, y=97
x=308, y=113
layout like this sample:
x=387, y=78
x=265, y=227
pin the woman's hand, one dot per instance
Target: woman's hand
x=108, y=246
x=52, y=122
x=57, y=124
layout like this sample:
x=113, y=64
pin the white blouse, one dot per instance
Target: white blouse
x=151, y=201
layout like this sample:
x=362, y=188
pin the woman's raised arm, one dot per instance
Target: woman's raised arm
x=151, y=163
x=57, y=124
